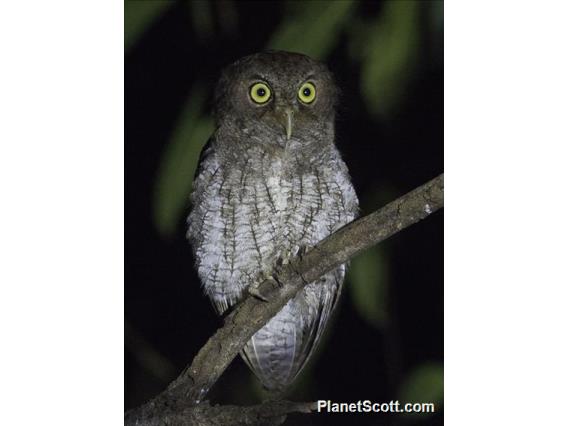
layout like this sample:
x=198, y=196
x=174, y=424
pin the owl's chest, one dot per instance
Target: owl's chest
x=282, y=203
x=248, y=215
x=277, y=180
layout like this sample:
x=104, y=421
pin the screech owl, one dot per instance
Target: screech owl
x=271, y=183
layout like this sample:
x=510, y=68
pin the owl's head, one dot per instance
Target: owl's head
x=284, y=93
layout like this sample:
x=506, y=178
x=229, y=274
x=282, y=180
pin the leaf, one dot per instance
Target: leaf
x=138, y=15
x=314, y=29
x=388, y=56
x=424, y=384
x=175, y=175
x=436, y=12
x=228, y=16
x=202, y=18
x=368, y=283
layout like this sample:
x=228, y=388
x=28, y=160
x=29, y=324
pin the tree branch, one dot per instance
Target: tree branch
x=184, y=393
x=203, y=414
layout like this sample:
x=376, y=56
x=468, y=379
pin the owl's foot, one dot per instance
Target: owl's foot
x=301, y=251
x=254, y=289
x=285, y=259
x=282, y=261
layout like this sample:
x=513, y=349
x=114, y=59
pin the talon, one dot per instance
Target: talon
x=302, y=251
x=276, y=280
x=253, y=291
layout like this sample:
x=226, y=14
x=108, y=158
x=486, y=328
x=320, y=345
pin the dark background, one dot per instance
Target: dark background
x=386, y=339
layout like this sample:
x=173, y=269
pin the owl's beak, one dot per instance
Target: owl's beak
x=287, y=120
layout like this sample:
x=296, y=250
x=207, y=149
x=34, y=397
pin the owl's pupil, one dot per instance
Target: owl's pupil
x=307, y=92
x=261, y=92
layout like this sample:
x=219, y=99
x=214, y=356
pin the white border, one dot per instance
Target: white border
x=61, y=215
x=506, y=213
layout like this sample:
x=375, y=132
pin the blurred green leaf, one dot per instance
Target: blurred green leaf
x=138, y=15
x=368, y=283
x=436, y=28
x=424, y=384
x=357, y=37
x=228, y=16
x=388, y=56
x=175, y=175
x=314, y=29
x=202, y=18
x=436, y=12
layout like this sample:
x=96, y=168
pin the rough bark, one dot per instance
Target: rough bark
x=180, y=403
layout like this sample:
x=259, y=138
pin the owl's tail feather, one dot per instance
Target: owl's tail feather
x=273, y=394
x=278, y=351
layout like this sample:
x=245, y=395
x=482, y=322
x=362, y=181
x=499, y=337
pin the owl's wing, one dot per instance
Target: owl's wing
x=205, y=157
x=200, y=198
x=330, y=293
x=206, y=169
x=278, y=351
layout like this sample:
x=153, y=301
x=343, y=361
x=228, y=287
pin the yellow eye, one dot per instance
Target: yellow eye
x=260, y=93
x=307, y=93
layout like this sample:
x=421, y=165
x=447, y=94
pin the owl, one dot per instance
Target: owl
x=270, y=185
